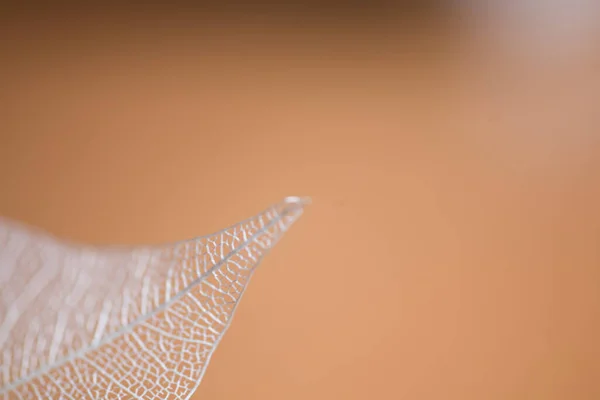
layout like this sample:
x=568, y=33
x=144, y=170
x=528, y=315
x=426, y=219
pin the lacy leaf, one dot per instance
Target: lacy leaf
x=79, y=322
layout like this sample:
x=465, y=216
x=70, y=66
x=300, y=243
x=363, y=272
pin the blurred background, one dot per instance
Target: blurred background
x=451, y=149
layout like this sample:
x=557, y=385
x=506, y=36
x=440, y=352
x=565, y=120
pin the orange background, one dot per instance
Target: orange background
x=451, y=250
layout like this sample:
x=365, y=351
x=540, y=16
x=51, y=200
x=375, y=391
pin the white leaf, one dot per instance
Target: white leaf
x=81, y=322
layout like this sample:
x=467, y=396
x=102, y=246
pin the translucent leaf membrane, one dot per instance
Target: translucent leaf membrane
x=113, y=323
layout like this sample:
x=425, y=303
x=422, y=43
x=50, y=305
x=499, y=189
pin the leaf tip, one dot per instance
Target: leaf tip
x=298, y=200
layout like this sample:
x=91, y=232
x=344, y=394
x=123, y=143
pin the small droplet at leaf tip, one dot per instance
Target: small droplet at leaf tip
x=301, y=201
